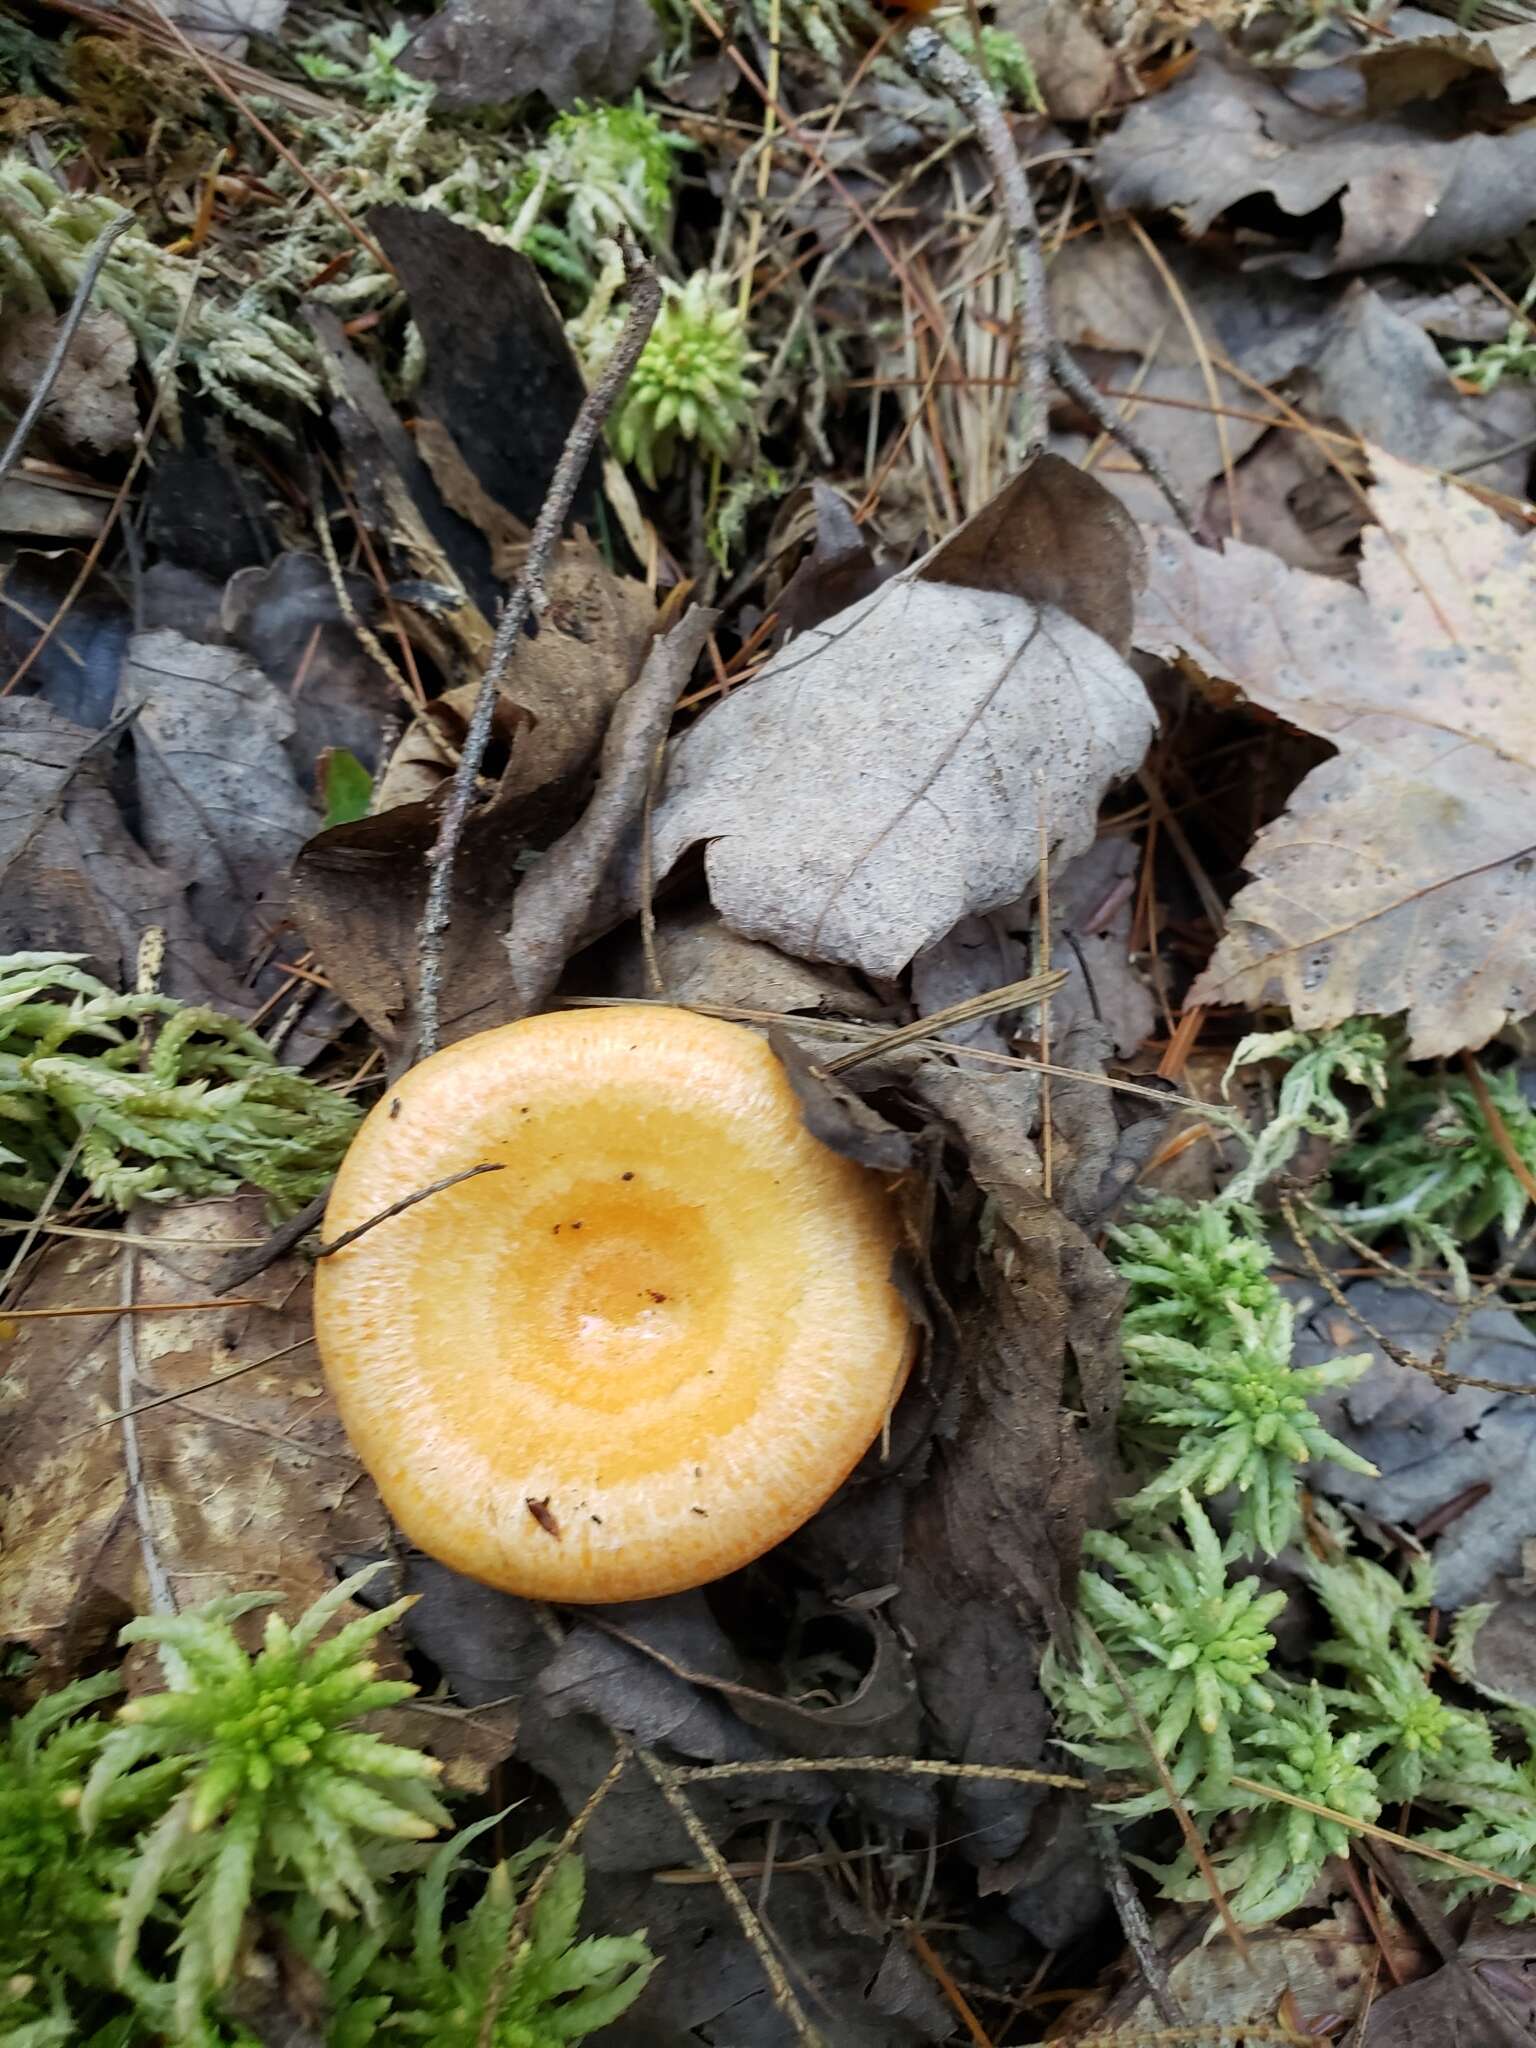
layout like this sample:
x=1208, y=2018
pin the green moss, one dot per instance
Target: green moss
x=145, y=1099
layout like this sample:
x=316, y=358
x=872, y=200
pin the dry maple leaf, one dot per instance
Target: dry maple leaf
x=1402, y=877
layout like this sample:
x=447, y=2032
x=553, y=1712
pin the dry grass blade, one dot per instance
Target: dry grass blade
x=1035, y=988
x=1374, y=1833
x=669, y=1782
x=841, y=1027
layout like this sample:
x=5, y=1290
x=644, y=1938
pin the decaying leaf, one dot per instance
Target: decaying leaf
x=553, y=905
x=357, y=890
x=560, y=691
x=1482, y=1996
x=92, y=405
x=501, y=378
x=1427, y=52
x=1434, y=1446
x=1403, y=875
x=486, y=52
x=72, y=877
x=905, y=763
x=219, y=802
x=1330, y=1966
x=248, y=1485
x=1410, y=187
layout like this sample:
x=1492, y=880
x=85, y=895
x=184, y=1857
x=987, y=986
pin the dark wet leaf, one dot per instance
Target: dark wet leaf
x=288, y=619
x=203, y=512
x=81, y=659
x=839, y=570
x=487, y=52
x=833, y=1113
x=857, y=1979
x=501, y=376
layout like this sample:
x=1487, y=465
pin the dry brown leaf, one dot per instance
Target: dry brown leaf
x=249, y=1486
x=1403, y=875
x=92, y=404
x=890, y=772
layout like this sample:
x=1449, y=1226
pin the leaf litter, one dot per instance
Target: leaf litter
x=905, y=715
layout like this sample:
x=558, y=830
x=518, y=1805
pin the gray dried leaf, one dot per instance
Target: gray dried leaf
x=889, y=772
x=703, y=961
x=72, y=877
x=1431, y=1446
x=219, y=802
x=1426, y=52
x=487, y=52
x=1409, y=188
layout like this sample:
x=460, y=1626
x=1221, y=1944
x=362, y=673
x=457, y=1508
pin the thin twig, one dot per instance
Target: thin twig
x=1434, y=1368
x=1135, y=1925
x=894, y=1766
x=932, y=57
x=66, y=1168
x=803, y=1022
x=1076, y=382
x=68, y=327
x=364, y=634
x=165, y=383
x=528, y=600
x=669, y=1782
x=339, y=1244
x=248, y=1261
x=184, y=1393
x=1045, y=356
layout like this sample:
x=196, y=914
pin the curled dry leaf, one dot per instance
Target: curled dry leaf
x=891, y=771
x=1403, y=875
x=244, y=1486
x=1409, y=188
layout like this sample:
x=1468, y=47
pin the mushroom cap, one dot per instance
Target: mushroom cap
x=645, y=1352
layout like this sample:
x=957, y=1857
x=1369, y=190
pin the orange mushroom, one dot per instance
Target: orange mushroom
x=646, y=1351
